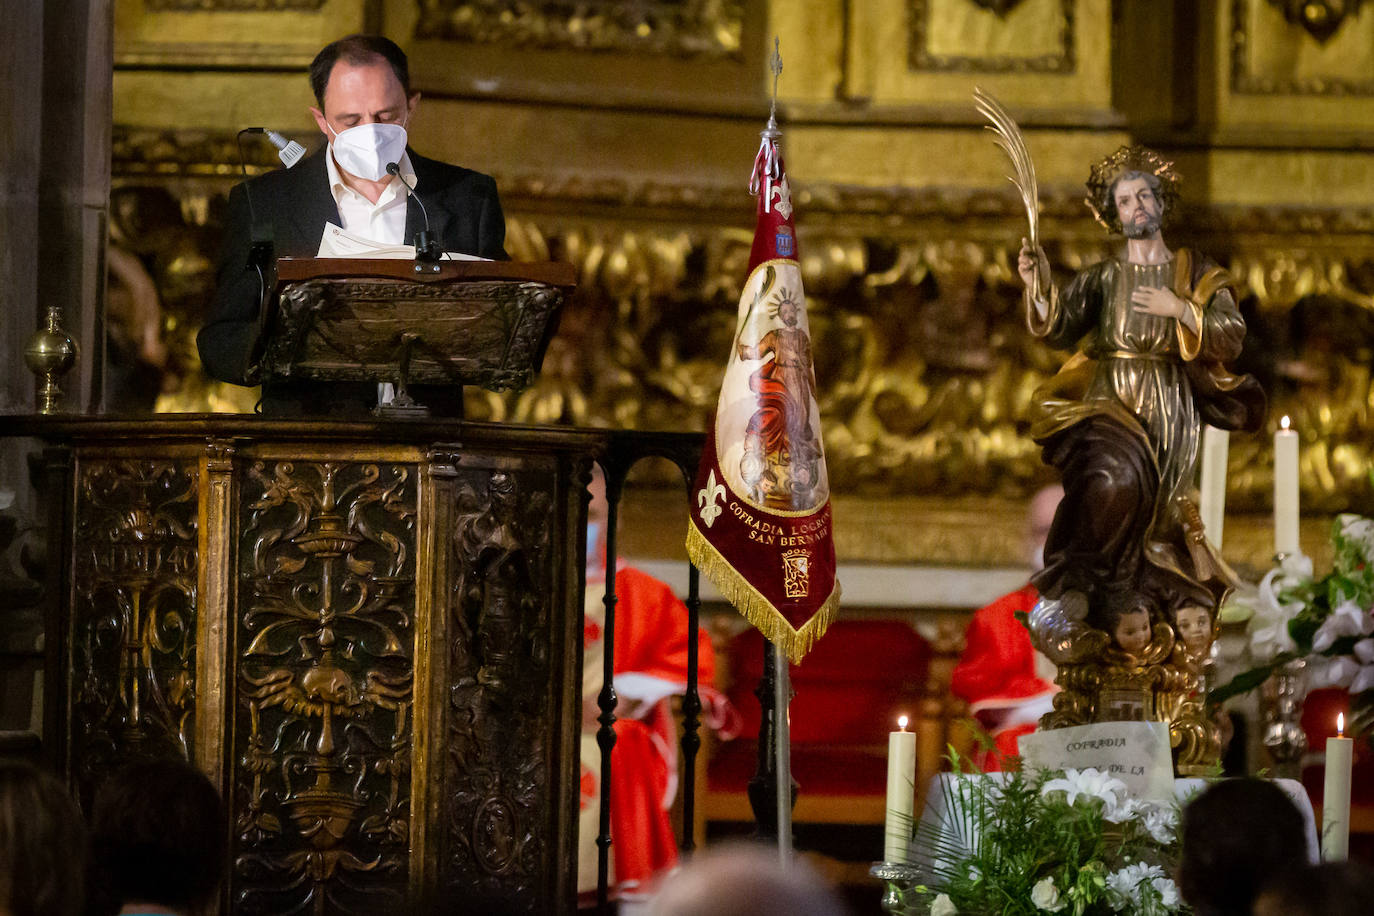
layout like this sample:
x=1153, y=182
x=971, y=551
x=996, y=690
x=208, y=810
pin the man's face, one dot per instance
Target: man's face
x=1138, y=208
x=787, y=311
x=363, y=94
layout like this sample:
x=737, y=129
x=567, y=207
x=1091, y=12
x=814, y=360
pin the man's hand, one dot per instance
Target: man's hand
x=1032, y=265
x=1158, y=300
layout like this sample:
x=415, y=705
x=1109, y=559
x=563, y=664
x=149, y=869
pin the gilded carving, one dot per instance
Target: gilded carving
x=500, y=800
x=134, y=616
x=324, y=686
x=921, y=56
x=925, y=375
x=1323, y=19
x=687, y=28
x=1000, y=7
x=232, y=6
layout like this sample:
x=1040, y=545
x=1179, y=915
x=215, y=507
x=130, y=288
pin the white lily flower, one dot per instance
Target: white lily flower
x=1089, y=783
x=1331, y=672
x=943, y=906
x=1364, y=678
x=1346, y=619
x=1269, y=635
x=1359, y=531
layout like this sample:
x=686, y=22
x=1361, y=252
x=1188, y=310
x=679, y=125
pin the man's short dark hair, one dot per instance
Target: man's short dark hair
x=42, y=842
x=159, y=834
x=358, y=50
x=1238, y=835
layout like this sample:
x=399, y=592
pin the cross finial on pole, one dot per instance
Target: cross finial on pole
x=775, y=66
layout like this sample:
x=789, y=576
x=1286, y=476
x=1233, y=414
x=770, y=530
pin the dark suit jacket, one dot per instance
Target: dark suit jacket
x=294, y=204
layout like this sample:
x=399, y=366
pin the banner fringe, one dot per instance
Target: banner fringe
x=753, y=606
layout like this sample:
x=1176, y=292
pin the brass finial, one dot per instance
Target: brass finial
x=50, y=353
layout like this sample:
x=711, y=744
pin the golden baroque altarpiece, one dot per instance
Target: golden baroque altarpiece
x=328, y=720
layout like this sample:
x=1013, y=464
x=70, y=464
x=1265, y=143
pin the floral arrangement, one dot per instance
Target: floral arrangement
x=1029, y=843
x=1328, y=621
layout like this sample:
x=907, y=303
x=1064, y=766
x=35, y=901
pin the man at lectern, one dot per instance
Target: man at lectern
x=357, y=182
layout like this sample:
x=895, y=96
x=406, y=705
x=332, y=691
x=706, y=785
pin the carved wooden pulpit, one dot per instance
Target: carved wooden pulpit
x=368, y=633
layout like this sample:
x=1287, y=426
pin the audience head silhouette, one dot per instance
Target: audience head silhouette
x=158, y=839
x=1237, y=835
x=745, y=880
x=42, y=844
x=1330, y=889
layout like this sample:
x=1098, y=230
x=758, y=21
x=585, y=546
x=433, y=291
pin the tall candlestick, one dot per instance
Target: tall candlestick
x=1215, y=445
x=1336, y=796
x=901, y=793
x=1286, y=491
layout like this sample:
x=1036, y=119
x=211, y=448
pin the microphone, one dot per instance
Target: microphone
x=427, y=247
x=289, y=152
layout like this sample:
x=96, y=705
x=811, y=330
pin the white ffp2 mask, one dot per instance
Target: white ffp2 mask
x=367, y=149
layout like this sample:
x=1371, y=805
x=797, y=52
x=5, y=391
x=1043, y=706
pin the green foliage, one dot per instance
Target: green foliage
x=1332, y=612
x=1028, y=843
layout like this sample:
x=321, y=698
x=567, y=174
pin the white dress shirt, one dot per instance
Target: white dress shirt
x=383, y=222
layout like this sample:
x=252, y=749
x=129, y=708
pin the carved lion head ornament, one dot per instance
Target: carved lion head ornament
x=1126, y=160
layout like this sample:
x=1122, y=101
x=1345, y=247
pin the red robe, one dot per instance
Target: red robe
x=650, y=665
x=996, y=674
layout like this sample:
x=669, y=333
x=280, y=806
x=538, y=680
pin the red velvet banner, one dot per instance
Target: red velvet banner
x=760, y=528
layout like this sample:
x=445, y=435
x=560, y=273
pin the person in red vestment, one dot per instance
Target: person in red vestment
x=1007, y=684
x=651, y=643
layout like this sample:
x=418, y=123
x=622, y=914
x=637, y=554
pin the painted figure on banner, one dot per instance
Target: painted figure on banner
x=781, y=461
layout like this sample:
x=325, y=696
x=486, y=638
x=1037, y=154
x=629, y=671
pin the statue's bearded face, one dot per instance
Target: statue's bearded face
x=1138, y=207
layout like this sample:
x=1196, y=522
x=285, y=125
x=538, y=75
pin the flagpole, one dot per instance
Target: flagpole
x=782, y=741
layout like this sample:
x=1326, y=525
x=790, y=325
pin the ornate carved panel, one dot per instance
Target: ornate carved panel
x=1309, y=48
x=324, y=687
x=134, y=613
x=236, y=6
x=976, y=37
x=501, y=797
x=694, y=28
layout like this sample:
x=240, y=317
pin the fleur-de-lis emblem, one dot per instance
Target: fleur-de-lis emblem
x=782, y=194
x=706, y=499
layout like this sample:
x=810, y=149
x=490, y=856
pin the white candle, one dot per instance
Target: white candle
x=1336, y=796
x=901, y=793
x=1286, y=491
x=1215, y=445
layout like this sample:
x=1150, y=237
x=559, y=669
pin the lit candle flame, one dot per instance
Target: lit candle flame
x=1284, y=422
x=1340, y=725
x=901, y=722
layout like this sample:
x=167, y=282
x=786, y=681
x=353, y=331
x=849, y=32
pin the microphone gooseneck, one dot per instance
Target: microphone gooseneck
x=427, y=248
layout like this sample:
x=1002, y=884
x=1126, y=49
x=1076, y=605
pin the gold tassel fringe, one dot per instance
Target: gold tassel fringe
x=753, y=606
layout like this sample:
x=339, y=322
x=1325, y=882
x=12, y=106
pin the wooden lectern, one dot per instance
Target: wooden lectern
x=445, y=323
x=367, y=633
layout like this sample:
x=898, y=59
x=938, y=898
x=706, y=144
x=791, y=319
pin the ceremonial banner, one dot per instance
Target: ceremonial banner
x=760, y=528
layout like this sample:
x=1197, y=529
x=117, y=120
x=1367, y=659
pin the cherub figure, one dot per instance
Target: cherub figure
x=1193, y=623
